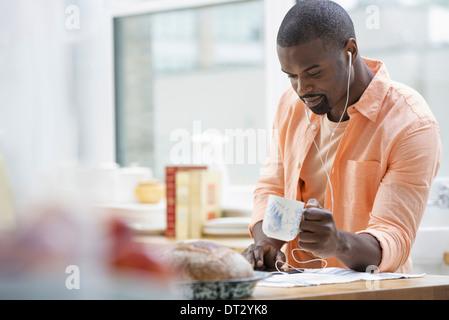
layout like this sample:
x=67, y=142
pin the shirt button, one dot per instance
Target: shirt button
x=313, y=127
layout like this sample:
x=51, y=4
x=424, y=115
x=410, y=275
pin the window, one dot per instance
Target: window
x=412, y=38
x=190, y=88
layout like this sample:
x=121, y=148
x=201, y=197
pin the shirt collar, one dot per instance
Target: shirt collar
x=371, y=100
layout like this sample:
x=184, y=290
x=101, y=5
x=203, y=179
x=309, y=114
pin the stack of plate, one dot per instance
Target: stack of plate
x=146, y=218
x=235, y=226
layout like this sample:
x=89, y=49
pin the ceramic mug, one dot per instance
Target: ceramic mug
x=282, y=218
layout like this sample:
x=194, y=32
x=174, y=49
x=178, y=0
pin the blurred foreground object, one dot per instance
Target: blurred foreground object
x=128, y=255
x=7, y=218
x=58, y=253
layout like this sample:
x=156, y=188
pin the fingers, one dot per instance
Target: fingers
x=307, y=237
x=280, y=256
x=318, y=232
x=316, y=214
x=263, y=255
x=259, y=253
x=314, y=225
x=248, y=253
x=315, y=221
x=313, y=212
x=312, y=203
x=255, y=255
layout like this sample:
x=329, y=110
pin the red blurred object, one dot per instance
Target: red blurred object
x=128, y=255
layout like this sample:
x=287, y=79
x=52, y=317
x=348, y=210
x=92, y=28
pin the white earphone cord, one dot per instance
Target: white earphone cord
x=327, y=174
x=324, y=163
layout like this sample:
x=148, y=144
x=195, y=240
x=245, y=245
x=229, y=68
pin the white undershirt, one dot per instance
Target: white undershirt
x=313, y=175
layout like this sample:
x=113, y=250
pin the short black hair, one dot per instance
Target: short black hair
x=316, y=19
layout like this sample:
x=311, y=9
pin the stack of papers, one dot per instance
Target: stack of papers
x=314, y=277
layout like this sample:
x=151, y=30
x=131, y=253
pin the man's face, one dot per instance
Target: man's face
x=317, y=74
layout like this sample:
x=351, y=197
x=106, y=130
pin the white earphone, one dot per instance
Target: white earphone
x=323, y=163
x=349, y=72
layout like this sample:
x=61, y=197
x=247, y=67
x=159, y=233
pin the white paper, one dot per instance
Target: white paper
x=314, y=277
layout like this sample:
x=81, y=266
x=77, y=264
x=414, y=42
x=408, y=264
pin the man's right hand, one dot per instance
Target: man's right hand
x=264, y=252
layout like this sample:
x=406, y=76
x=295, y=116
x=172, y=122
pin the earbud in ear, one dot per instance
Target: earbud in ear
x=350, y=57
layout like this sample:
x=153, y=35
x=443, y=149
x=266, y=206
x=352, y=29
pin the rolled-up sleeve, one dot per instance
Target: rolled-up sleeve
x=271, y=180
x=272, y=177
x=403, y=192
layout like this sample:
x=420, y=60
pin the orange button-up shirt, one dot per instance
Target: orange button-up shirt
x=382, y=171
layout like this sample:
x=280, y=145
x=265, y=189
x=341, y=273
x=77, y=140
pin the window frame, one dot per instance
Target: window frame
x=275, y=80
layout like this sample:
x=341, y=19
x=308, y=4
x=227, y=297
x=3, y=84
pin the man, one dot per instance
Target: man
x=377, y=139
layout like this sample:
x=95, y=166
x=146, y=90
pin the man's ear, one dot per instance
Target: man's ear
x=351, y=46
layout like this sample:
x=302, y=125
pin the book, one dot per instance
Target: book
x=194, y=204
x=182, y=206
x=205, y=199
x=170, y=192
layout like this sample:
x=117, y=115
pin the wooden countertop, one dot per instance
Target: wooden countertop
x=429, y=287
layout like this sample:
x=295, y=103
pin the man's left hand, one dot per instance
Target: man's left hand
x=318, y=232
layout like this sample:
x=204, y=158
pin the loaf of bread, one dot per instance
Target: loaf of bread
x=204, y=260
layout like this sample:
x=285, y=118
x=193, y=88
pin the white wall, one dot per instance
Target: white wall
x=53, y=90
x=36, y=127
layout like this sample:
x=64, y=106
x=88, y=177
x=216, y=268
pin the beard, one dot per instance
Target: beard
x=323, y=108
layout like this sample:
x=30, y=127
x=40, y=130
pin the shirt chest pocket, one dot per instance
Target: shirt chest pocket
x=361, y=181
